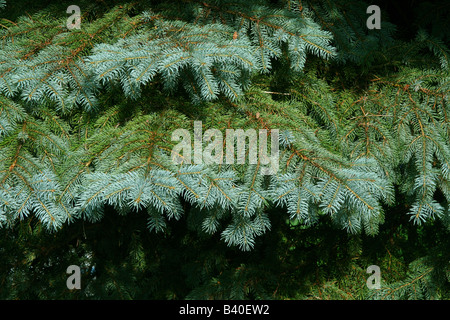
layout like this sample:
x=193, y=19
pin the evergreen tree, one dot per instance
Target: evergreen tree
x=87, y=178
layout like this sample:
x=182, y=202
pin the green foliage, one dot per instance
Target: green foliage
x=86, y=175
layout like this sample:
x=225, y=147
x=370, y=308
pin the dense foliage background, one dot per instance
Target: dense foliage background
x=86, y=117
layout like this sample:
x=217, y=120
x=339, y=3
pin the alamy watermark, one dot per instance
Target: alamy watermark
x=374, y=281
x=374, y=21
x=235, y=140
x=74, y=281
x=74, y=21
